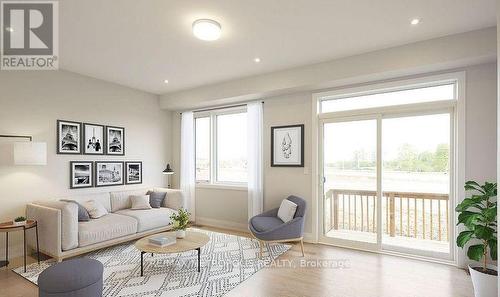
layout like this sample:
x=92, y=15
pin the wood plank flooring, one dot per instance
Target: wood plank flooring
x=365, y=275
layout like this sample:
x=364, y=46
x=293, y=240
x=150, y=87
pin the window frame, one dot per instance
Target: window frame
x=213, y=181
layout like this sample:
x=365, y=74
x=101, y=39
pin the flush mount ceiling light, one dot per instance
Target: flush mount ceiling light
x=256, y=60
x=10, y=29
x=208, y=30
x=166, y=81
x=415, y=22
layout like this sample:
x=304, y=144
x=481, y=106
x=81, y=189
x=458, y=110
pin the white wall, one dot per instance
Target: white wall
x=30, y=104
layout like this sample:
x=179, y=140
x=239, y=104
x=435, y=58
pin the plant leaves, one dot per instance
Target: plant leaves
x=483, y=232
x=490, y=214
x=472, y=185
x=468, y=218
x=464, y=237
x=493, y=248
x=475, y=252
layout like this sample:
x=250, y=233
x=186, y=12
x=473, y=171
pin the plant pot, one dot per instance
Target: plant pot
x=21, y=223
x=180, y=233
x=485, y=285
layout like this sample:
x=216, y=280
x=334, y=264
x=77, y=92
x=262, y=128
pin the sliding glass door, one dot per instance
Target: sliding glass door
x=397, y=166
x=350, y=181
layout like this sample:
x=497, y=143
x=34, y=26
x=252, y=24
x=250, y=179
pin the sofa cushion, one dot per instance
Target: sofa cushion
x=121, y=200
x=83, y=214
x=140, y=202
x=95, y=209
x=263, y=224
x=102, y=198
x=105, y=228
x=175, y=198
x=148, y=219
x=156, y=199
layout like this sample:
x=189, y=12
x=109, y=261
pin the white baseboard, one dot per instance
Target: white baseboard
x=222, y=224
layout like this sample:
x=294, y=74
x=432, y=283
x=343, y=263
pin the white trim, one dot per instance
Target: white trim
x=222, y=187
x=223, y=224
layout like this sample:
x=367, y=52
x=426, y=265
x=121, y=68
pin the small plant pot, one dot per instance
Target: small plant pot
x=20, y=223
x=180, y=233
x=485, y=285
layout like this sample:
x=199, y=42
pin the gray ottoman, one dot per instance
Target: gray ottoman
x=73, y=278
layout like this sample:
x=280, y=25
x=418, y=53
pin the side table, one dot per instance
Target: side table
x=7, y=227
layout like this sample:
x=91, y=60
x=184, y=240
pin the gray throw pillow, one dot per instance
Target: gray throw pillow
x=83, y=214
x=156, y=199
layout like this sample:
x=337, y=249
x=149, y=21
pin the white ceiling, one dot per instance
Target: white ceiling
x=142, y=43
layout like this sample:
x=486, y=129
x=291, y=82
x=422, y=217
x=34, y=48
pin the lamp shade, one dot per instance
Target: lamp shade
x=30, y=153
x=168, y=170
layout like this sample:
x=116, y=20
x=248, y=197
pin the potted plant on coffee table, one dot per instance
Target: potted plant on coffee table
x=180, y=222
x=478, y=213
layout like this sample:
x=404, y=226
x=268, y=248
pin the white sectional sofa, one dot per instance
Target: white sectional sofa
x=62, y=236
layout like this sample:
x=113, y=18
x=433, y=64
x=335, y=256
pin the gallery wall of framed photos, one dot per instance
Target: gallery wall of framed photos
x=77, y=138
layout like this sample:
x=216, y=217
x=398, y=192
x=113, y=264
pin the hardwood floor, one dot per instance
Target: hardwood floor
x=366, y=275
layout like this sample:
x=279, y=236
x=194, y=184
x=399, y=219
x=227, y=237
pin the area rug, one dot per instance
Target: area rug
x=226, y=261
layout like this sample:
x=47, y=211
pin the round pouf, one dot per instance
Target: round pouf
x=73, y=278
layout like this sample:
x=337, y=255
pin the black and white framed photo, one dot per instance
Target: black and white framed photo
x=133, y=172
x=68, y=137
x=287, y=146
x=115, y=140
x=93, y=139
x=108, y=173
x=81, y=174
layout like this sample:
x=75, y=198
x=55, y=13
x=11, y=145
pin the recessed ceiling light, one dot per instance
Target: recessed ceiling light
x=10, y=29
x=166, y=81
x=256, y=60
x=208, y=30
x=415, y=22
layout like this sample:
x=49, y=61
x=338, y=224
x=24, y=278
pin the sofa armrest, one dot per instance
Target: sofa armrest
x=175, y=198
x=49, y=228
x=67, y=216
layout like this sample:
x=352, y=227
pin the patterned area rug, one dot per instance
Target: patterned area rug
x=226, y=261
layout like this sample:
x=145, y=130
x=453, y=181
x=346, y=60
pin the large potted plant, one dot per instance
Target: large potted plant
x=478, y=213
x=180, y=222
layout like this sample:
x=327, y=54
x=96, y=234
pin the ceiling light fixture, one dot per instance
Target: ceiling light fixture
x=415, y=22
x=256, y=60
x=166, y=81
x=10, y=29
x=208, y=30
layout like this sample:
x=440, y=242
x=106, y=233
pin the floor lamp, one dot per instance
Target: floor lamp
x=168, y=171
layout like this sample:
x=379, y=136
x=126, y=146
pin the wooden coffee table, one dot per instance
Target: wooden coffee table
x=193, y=241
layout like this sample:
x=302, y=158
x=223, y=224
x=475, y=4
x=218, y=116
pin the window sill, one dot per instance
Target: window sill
x=222, y=187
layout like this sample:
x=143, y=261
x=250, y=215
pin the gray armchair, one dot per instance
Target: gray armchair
x=267, y=227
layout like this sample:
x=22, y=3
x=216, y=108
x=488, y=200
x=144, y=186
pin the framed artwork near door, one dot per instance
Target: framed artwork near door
x=287, y=146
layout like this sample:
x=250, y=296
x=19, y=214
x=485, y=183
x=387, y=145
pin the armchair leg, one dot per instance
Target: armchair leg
x=302, y=246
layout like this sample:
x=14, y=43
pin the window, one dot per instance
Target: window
x=221, y=147
x=388, y=98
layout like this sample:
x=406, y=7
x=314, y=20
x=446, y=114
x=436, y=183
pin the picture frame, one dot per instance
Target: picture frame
x=115, y=141
x=81, y=174
x=109, y=173
x=133, y=172
x=94, y=139
x=69, y=135
x=287, y=146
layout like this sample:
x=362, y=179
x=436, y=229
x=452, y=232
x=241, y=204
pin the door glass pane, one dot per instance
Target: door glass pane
x=232, y=148
x=418, y=95
x=416, y=182
x=350, y=167
x=202, y=149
